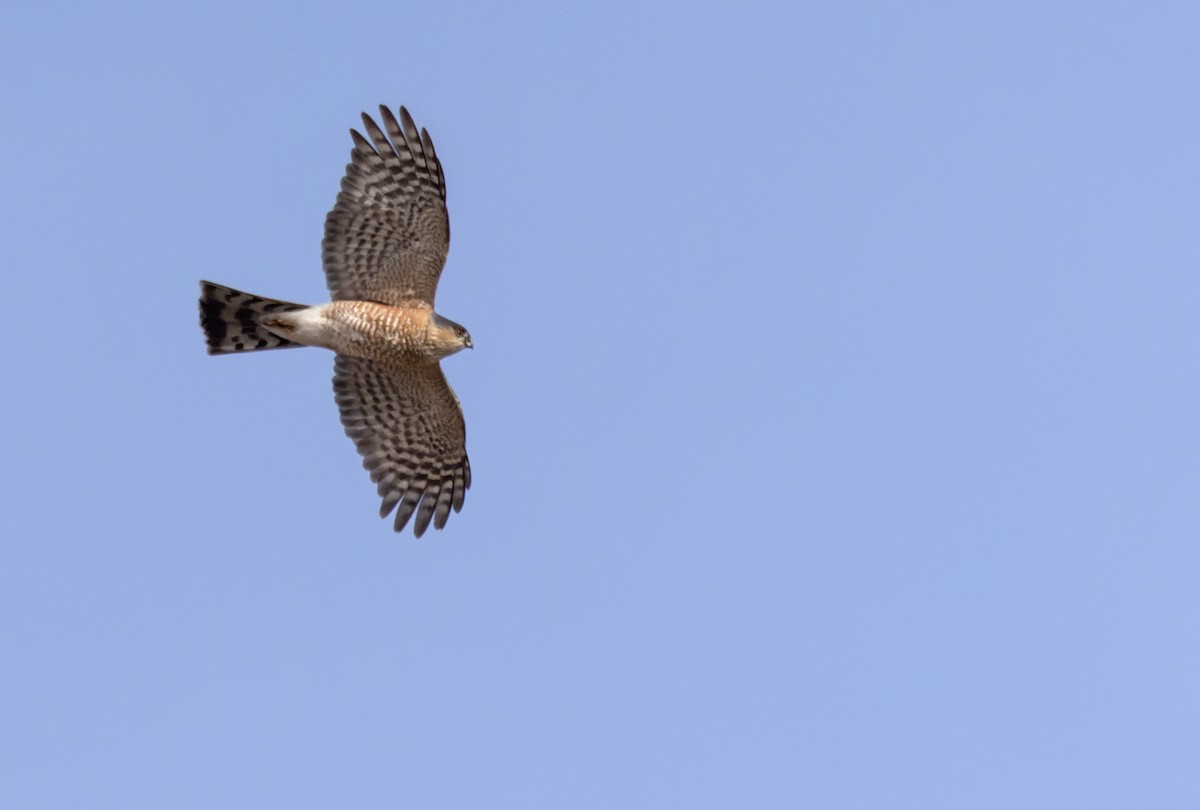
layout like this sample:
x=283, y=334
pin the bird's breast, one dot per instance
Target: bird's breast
x=380, y=332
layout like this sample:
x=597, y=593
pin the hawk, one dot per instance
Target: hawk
x=386, y=241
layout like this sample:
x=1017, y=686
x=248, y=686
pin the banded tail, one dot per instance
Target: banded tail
x=230, y=320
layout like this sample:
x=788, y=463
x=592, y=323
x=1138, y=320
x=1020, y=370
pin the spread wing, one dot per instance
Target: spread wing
x=408, y=426
x=387, y=237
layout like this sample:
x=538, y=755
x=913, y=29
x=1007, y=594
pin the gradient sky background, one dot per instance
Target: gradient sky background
x=833, y=413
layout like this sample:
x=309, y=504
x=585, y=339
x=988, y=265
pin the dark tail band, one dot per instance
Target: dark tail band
x=230, y=320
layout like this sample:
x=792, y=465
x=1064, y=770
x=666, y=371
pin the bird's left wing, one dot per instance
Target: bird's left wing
x=408, y=426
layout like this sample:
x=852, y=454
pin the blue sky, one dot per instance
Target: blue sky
x=833, y=412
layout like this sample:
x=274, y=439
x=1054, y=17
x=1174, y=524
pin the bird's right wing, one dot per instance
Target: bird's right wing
x=387, y=237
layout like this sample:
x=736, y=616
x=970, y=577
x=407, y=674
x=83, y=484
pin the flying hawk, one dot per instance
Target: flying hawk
x=386, y=241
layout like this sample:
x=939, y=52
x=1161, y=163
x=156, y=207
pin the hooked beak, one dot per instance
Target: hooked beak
x=469, y=344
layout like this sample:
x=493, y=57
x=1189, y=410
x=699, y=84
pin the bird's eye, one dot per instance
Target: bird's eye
x=458, y=330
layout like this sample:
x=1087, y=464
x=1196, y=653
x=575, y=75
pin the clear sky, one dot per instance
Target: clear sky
x=833, y=412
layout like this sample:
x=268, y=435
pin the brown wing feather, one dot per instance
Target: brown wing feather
x=408, y=426
x=387, y=237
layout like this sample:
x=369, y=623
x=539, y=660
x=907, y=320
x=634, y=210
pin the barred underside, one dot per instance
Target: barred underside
x=407, y=424
x=230, y=320
x=387, y=236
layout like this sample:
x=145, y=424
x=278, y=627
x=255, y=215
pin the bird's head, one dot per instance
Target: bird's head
x=452, y=337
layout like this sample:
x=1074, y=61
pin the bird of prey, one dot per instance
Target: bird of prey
x=386, y=241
